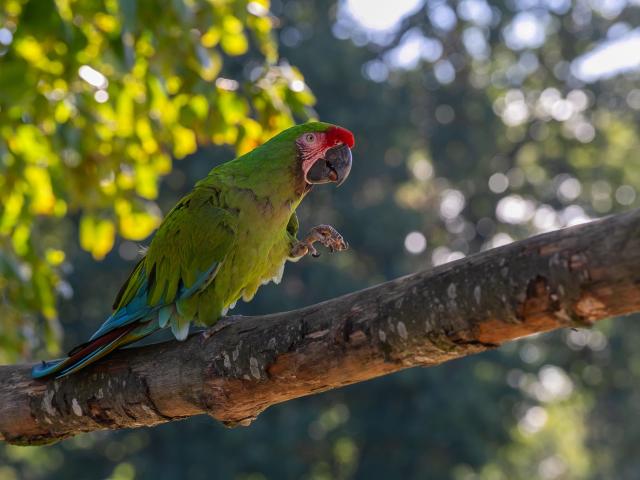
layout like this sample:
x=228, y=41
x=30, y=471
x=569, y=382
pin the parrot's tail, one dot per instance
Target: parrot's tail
x=87, y=353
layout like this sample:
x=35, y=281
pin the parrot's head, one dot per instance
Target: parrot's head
x=324, y=152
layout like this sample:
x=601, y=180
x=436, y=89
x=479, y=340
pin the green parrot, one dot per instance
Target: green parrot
x=231, y=234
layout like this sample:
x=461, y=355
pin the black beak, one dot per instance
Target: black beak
x=334, y=167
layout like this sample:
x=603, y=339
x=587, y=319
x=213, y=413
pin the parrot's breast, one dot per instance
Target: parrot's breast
x=260, y=250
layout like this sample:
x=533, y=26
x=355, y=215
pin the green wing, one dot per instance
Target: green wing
x=182, y=259
x=191, y=242
x=130, y=287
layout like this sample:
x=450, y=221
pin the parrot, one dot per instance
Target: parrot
x=232, y=233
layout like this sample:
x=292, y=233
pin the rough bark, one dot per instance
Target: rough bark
x=571, y=277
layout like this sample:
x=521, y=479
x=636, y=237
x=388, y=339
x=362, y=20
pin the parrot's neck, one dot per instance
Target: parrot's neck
x=268, y=174
x=265, y=188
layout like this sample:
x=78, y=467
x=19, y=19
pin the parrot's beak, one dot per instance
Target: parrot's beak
x=334, y=167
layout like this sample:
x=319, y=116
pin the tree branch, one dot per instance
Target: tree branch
x=570, y=277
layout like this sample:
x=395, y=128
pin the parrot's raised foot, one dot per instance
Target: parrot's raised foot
x=326, y=235
x=224, y=322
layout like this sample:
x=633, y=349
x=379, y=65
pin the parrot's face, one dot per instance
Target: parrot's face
x=326, y=156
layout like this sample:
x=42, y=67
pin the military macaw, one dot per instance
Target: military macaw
x=231, y=234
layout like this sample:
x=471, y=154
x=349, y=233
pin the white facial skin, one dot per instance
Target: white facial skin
x=313, y=146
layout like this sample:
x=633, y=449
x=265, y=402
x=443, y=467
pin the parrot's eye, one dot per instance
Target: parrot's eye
x=310, y=138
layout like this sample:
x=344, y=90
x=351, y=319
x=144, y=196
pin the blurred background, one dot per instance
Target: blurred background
x=477, y=123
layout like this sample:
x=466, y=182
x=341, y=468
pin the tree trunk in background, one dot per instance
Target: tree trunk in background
x=571, y=277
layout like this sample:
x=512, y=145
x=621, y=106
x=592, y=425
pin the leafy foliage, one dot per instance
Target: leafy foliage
x=96, y=100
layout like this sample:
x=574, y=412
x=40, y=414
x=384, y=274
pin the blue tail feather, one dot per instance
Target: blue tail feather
x=129, y=323
x=45, y=369
x=86, y=354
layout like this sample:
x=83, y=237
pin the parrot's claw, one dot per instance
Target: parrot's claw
x=326, y=235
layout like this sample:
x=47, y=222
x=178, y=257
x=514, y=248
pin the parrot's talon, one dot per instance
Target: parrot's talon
x=324, y=234
x=224, y=322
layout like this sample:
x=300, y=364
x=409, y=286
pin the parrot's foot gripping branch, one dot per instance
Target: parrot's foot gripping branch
x=224, y=322
x=326, y=235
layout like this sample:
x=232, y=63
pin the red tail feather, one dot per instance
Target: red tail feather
x=85, y=349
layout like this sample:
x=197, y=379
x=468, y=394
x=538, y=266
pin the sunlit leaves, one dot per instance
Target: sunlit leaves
x=11, y=211
x=96, y=98
x=55, y=257
x=184, y=141
x=39, y=185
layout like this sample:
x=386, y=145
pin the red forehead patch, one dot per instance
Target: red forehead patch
x=340, y=135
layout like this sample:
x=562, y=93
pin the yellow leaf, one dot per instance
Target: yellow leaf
x=20, y=239
x=162, y=163
x=12, y=209
x=236, y=44
x=184, y=141
x=60, y=208
x=146, y=181
x=251, y=136
x=200, y=106
x=29, y=49
x=97, y=235
x=137, y=226
x=125, y=115
x=125, y=179
x=54, y=256
x=211, y=38
x=106, y=23
x=42, y=198
x=62, y=112
x=231, y=25
x=233, y=108
x=135, y=223
x=173, y=84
